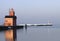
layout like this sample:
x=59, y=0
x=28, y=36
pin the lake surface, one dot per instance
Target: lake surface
x=36, y=33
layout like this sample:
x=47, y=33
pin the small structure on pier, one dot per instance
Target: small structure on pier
x=10, y=20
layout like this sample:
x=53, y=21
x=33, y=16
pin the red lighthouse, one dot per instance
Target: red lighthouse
x=10, y=20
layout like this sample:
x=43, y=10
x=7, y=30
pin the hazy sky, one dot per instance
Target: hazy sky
x=32, y=11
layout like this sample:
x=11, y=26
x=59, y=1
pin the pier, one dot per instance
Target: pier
x=10, y=22
x=35, y=24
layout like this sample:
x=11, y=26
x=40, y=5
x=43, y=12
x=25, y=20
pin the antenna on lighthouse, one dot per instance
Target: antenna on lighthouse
x=11, y=12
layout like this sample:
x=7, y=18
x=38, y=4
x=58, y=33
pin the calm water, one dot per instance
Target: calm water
x=36, y=33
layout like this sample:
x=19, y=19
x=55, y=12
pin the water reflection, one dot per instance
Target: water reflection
x=25, y=28
x=35, y=34
x=10, y=35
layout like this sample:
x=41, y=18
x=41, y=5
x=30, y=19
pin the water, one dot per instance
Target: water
x=36, y=33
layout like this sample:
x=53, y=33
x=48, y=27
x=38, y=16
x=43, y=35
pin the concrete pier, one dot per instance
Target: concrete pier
x=35, y=24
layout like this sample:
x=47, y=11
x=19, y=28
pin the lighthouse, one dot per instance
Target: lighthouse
x=10, y=20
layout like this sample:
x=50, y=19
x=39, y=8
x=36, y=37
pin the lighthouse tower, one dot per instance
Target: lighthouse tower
x=10, y=20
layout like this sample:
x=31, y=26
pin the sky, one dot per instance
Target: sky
x=32, y=11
